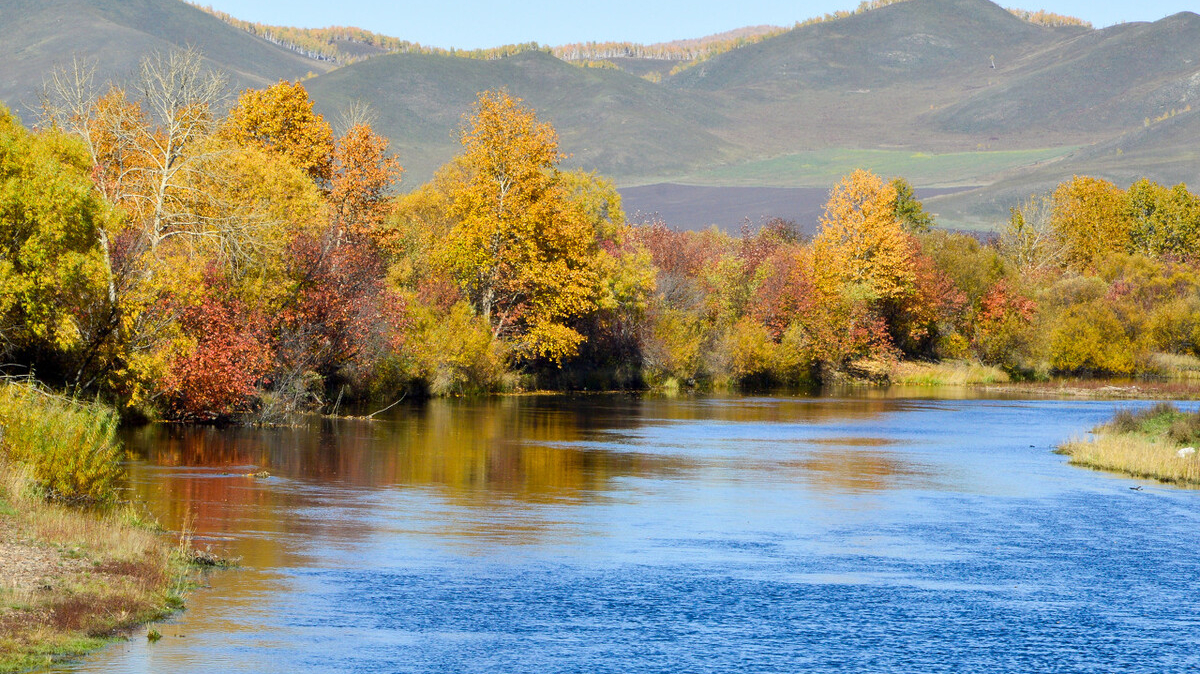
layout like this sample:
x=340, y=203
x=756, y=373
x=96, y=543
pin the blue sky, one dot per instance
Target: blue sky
x=487, y=23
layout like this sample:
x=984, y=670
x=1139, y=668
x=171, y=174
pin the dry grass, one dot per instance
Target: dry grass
x=104, y=574
x=946, y=373
x=1176, y=366
x=71, y=578
x=1144, y=443
x=1136, y=455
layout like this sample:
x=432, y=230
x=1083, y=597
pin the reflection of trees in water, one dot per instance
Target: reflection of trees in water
x=767, y=410
x=488, y=454
x=854, y=465
x=491, y=456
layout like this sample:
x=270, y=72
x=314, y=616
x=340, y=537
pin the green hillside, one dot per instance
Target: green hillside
x=821, y=168
x=1165, y=151
x=608, y=120
x=945, y=92
x=35, y=35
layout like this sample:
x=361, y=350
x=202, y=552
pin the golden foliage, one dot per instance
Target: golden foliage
x=862, y=241
x=1090, y=220
x=281, y=119
x=524, y=246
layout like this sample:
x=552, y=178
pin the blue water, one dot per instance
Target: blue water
x=617, y=534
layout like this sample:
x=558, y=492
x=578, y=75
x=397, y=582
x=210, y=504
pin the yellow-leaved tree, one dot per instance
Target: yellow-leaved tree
x=862, y=240
x=281, y=119
x=1090, y=219
x=523, y=248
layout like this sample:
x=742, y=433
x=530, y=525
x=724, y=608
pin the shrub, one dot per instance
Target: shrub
x=1143, y=421
x=1090, y=338
x=746, y=353
x=457, y=353
x=70, y=447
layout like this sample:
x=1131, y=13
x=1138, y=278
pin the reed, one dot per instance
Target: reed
x=70, y=446
x=1144, y=444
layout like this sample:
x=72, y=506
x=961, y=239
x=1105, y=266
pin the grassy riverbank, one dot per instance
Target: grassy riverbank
x=946, y=373
x=1144, y=444
x=77, y=569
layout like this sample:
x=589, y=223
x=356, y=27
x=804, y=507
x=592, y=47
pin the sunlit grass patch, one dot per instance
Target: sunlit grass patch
x=946, y=373
x=1152, y=443
x=1177, y=366
x=111, y=574
x=72, y=578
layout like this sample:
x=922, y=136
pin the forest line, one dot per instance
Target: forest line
x=190, y=264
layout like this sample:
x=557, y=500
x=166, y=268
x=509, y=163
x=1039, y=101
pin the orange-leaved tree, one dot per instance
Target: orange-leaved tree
x=281, y=119
x=363, y=174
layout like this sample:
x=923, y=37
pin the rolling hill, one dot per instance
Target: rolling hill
x=608, y=120
x=36, y=35
x=955, y=93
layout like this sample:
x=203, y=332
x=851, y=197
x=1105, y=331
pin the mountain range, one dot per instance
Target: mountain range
x=950, y=93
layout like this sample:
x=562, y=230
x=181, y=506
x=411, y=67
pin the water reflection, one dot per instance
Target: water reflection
x=499, y=459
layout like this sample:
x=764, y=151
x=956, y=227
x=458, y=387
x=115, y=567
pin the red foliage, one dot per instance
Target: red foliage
x=1002, y=303
x=219, y=377
x=439, y=292
x=754, y=249
x=934, y=303
x=679, y=252
x=340, y=310
x=785, y=293
x=1001, y=324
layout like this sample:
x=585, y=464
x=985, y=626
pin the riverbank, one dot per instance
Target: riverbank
x=1152, y=444
x=72, y=577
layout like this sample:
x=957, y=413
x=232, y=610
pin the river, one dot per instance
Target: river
x=878, y=533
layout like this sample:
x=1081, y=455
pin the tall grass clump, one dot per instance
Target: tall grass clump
x=70, y=447
x=1145, y=443
x=946, y=373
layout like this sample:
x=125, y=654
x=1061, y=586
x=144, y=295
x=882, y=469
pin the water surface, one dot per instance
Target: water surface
x=625, y=534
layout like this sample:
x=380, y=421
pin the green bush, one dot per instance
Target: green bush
x=71, y=448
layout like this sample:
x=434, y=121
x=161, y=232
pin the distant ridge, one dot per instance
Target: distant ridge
x=35, y=35
x=890, y=88
x=608, y=120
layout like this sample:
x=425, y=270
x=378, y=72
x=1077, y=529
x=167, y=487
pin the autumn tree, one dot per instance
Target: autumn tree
x=225, y=353
x=51, y=269
x=524, y=251
x=1090, y=220
x=1029, y=240
x=1162, y=220
x=363, y=174
x=178, y=93
x=253, y=203
x=1001, y=327
x=281, y=119
x=862, y=240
